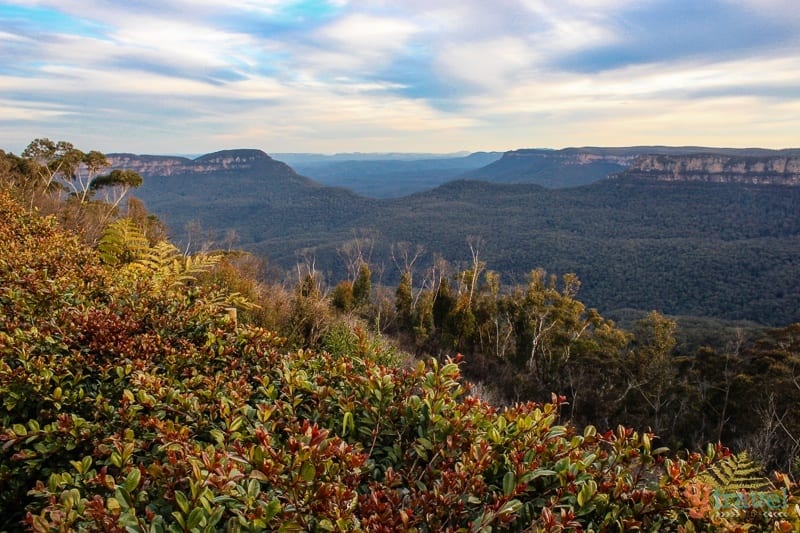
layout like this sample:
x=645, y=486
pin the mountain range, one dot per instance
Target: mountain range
x=691, y=231
x=390, y=177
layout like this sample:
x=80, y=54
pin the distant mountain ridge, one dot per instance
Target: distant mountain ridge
x=570, y=167
x=224, y=160
x=244, y=191
x=392, y=178
x=304, y=158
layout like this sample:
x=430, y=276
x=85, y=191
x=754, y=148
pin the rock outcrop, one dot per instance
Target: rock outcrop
x=226, y=160
x=772, y=170
x=572, y=156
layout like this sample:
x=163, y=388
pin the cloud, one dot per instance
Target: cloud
x=305, y=75
x=487, y=64
x=667, y=30
x=359, y=32
x=14, y=111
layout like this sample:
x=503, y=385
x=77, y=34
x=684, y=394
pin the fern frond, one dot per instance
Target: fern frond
x=195, y=264
x=737, y=473
x=160, y=259
x=241, y=302
x=166, y=263
x=122, y=242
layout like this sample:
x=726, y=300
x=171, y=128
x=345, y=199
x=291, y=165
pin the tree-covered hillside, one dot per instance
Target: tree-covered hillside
x=694, y=249
x=707, y=249
x=132, y=400
x=548, y=168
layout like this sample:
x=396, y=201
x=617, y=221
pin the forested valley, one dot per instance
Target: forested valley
x=720, y=250
x=147, y=388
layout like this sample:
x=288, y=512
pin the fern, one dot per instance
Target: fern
x=122, y=243
x=221, y=299
x=166, y=263
x=736, y=473
x=160, y=260
x=195, y=264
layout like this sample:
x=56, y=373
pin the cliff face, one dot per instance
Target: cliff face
x=777, y=170
x=571, y=156
x=226, y=160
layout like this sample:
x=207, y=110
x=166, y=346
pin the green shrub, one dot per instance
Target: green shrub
x=134, y=404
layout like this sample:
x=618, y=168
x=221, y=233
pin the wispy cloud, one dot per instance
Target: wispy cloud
x=339, y=75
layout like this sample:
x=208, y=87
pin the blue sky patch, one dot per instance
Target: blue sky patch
x=45, y=20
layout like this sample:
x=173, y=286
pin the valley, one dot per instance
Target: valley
x=717, y=247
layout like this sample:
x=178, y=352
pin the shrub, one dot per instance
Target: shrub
x=135, y=404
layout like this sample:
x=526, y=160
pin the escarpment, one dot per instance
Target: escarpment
x=771, y=170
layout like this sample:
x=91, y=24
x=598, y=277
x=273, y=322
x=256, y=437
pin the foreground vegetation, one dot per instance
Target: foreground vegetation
x=135, y=398
x=131, y=400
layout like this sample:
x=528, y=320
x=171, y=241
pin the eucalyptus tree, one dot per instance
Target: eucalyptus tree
x=61, y=166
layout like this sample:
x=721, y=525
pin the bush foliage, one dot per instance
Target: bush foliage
x=131, y=401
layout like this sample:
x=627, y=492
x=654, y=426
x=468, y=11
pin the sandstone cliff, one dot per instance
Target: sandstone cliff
x=573, y=156
x=226, y=160
x=773, y=170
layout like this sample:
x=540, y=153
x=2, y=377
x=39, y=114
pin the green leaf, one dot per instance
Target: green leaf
x=236, y=423
x=540, y=472
x=182, y=501
x=347, y=422
x=86, y=463
x=259, y=475
x=195, y=517
x=509, y=483
x=589, y=489
x=215, y=518
x=253, y=488
x=180, y=520
x=217, y=435
x=420, y=451
x=116, y=459
x=112, y=504
x=273, y=508
x=124, y=497
x=78, y=466
x=308, y=471
x=70, y=498
x=511, y=506
x=132, y=481
x=426, y=443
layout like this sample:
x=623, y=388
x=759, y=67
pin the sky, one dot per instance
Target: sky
x=328, y=76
